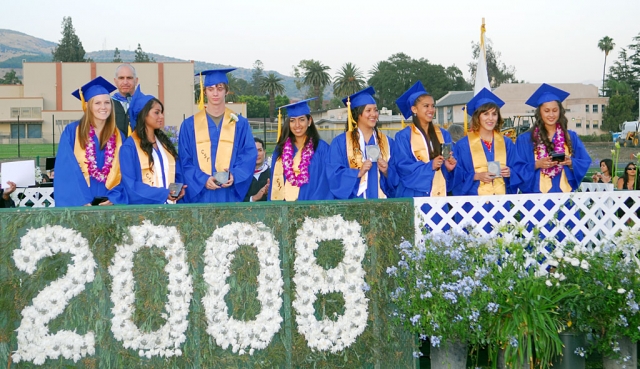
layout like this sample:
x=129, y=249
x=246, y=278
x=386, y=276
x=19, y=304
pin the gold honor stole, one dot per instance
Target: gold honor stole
x=546, y=181
x=355, y=162
x=203, y=142
x=148, y=176
x=419, y=148
x=281, y=189
x=113, y=179
x=480, y=164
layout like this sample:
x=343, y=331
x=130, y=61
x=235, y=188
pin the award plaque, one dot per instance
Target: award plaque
x=494, y=168
x=221, y=177
x=373, y=152
x=174, y=189
x=446, y=150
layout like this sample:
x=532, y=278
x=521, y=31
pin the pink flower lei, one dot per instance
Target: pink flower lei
x=100, y=175
x=558, y=147
x=287, y=163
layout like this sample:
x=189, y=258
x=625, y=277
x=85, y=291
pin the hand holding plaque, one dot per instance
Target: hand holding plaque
x=373, y=152
x=493, y=168
x=446, y=150
x=221, y=178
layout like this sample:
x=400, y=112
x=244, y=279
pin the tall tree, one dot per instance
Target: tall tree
x=116, y=56
x=142, y=57
x=605, y=44
x=498, y=71
x=316, y=77
x=272, y=85
x=10, y=78
x=620, y=109
x=257, y=74
x=70, y=48
x=348, y=80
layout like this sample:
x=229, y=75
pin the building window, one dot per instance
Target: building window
x=34, y=130
x=15, y=112
x=588, y=124
x=578, y=124
x=595, y=108
x=586, y=108
x=449, y=114
x=36, y=113
x=595, y=124
x=15, y=128
x=602, y=110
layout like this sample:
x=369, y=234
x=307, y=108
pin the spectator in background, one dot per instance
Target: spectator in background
x=5, y=199
x=604, y=175
x=261, y=176
x=126, y=81
x=456, y=131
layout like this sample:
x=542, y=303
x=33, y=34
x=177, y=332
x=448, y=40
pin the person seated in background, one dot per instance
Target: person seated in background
x=149, y=161
x=456, y=131
x=5, y=199
x=604, y=175
x=261, y=176
x=629, y=180
x=352, y=171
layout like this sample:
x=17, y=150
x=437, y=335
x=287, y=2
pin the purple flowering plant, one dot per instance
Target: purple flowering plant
x=172, y=132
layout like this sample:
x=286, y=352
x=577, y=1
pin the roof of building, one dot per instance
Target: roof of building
x=455, y=98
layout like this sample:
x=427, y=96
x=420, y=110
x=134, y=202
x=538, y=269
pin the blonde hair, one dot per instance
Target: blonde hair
x=87, y=121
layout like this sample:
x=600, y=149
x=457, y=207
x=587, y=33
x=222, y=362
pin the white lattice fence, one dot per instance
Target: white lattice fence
x=37, y=197
x=585, y=217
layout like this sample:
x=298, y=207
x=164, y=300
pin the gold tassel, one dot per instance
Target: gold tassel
x=350, y=121
x=84, y=103
x=465, y=120
x=201, y=100
x=279, y=124
x=402, y=121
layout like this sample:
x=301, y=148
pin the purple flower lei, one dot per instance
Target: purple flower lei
x=558, y=147
x=287, y=163
x=90, y=154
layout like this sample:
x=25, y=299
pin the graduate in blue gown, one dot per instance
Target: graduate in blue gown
x=536, y=167
x=352, y=173
x=87, y=164
x=298, y=167
x=149, y=160
x=216, y=147
x=483, y=145
x=423, y=171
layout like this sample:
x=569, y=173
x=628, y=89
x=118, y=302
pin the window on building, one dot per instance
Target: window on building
x=36, y=113
x=449, y=114
x=25, y=112
x=440, y=112
x=586, y=108
x=578, y=124
x=594, y=108
x=15, y=112
x=34, y=130
x=595, y=124
x=602, y=110
x=18, y=129
x=588, y=124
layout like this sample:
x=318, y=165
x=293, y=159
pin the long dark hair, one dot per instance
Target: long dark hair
x=609, y=164
x=140, y=130
x=544, y=135
x=625, y=176
x=312, y=133
x=430, y=135
x=475, y=118
x=355, y=135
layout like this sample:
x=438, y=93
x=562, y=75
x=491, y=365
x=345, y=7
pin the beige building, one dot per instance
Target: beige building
x=39, y=110
x=584, y=106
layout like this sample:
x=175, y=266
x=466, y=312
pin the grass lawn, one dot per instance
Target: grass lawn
x=10, y=151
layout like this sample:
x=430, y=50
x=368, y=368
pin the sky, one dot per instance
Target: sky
x=553, y=41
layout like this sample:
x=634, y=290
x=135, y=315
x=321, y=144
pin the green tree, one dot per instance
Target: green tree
x=316, y=77
x=272, y=85
x=498, y=72
x=257, y=74
x=239, y=86
x=10, y=78
x=348, y=81
x=70, y=48
x=605, y=44
x=142, y=57
x=258, y=106
x=116, y=56
x=620, y=109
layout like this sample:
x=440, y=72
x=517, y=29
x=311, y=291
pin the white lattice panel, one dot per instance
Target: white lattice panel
x=37, y=197
x=586, y=217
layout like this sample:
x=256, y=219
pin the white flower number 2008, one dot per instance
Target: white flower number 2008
x=35, y=343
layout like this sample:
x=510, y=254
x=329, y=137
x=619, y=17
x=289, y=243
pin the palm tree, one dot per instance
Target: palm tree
x=605, y=44
x=348, y=81
x=316, y=76
x=272, y=85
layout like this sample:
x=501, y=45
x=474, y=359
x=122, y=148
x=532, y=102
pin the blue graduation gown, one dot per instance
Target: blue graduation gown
x=318, y=186
x=416, y=177
x=529, y=178
x=464, y=184
x=243, y=162
x=139, y=192
x=70, y=187
x=344, y=180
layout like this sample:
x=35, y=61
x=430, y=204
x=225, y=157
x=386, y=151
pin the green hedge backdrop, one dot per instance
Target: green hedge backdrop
x=384, y=224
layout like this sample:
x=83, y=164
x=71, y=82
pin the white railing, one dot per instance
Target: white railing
x=36, y=197
x=586, y=217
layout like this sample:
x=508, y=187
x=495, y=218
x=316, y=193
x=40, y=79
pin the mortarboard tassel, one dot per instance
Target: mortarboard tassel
x=402, y=121
x=201, y=100
x=466, y=121
x=350, y=121
x=84, y=103
x=279, y=125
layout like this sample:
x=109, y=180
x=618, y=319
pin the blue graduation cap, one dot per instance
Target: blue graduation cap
x=299, y=108
x=214, y=76
x=409, y=97
x=95, y=87
x=362, y=97
x=546, y=93
x=483, y=97
x=138, y=101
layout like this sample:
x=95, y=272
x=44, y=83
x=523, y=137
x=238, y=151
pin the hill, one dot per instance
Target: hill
x=16, y=47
